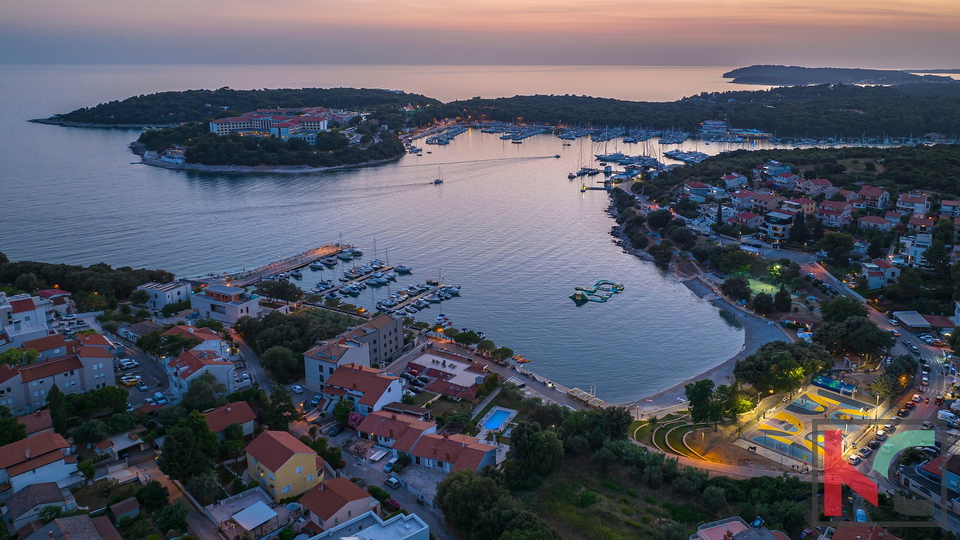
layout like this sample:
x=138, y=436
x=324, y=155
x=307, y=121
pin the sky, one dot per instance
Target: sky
x=905, y=34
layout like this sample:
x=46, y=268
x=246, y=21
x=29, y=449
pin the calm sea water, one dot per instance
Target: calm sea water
x=507, y=225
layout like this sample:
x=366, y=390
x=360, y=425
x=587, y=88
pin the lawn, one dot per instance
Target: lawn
x=505, y=401
x=91, y=497
x=423, y=397
x=761, y=287
x=675, y=438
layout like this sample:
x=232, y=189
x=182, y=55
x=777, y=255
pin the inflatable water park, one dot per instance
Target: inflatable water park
x=601, y=291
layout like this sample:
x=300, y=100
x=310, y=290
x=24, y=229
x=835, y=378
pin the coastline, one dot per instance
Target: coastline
x=288, y=169
x=67, y=123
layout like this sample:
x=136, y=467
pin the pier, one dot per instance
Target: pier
x=286, y=265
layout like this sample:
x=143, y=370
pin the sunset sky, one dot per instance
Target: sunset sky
x=849, y=33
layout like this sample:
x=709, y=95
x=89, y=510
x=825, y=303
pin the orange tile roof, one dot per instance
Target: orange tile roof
x=48, y=368
x=404, y=428
x=330, y=496
x=465, y=453
x=203, y=334
x=237, y=412
x=362, y=379
x=7, y=372
x=15, y=453
x=378, y=322
x=94, y=340
x=50, y=342
x=37, y=421
x=274, y=448
x=191, y=362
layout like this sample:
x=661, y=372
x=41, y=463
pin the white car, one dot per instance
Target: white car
x=69, y=317
x=296, y=389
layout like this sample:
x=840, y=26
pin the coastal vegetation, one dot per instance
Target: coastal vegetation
x=166, y=108
x=796, y=75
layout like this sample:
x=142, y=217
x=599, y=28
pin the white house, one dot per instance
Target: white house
x=877, y=222
x=742, y=200
x=879, y=273
x=224, y=303
x=913, y=203
x=162, y=294
x=735, y=181
x=913, y=247
x=367, y=388
x=834, y=213
x=22, y=318
x=453, y=452
x=237, y=412
x=34, y=460
x=210, y=341
x=185, y=368
x=814, y=186
x=786, y=181
x=336, y=501
x=320, y=362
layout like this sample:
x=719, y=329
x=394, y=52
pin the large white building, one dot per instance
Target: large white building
x=185, y=369
x=24, y=389
x=224, y=303
x=22, y=318
x=378, y=341
x=162, y=294
x=913, y=247
x=41, y=458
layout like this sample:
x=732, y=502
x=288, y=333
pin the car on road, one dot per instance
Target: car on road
x=926, y=425
x=874, y=444
x=811, y=275
x=160, y=398
x=894, y=332
x=129, y=407
x=909, y=405
x=142, y=386
x=130, y=381
x=865, y=452
x=392, y=482
x=316, y=400
x=854, y=460
x=903, y=412
x=894, y=322
x=296, y=389
x=149, y=401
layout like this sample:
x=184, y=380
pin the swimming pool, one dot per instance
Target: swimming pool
x=496, y=419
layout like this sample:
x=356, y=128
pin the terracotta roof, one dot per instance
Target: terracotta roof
x=820, y=181
x=743, y=194
x=74, y=528
x=106, y=529
x=893, y=216
x=354, y=377
x=49, y=368
x=913, y=199
x=883, y=263
x=327, y=498
x=191, y=362
x=237, y=412
x=837, y=206
x=404, y=428
x=938, y=321
x=696, y=185
x=43, y=443
x=144, y=328
x=94, y=340
x=787, y=175
x=921, y=221
x=853, y=532
x=747, y=216
x=19, y=306
x=53, y=341
x=36, y=463
x=147, y=409
x=396, y=406
x=93, y=352
x=32, y=495
x=7, y=372
x=465, y=453
x=274, y=448
x=330, y=351
x=803, y=200
x=765, y=197
x=870, y=191
x=874, y=219
x=203, y=334
x=37, y=421
x=378, y=322
x=51, y=293
x=127, y=505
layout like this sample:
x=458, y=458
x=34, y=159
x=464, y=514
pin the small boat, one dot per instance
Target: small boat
x=434, y=299
x=421, y=304
x=520, y=359
x=296, y=274
x=344, y=279
x=324, y=284
x=329, y=261
x=403, y=269
x=571, y=176
x=355, y=252
x=453, y=290
x=331, y=296
x=402, y=313
x=377, y=264
x=316, y=265
x=345, y=256
x=315, y=290
x=412, y=309
x=433, y=282
x=517, y=142
x=391, y=276
x=439, y=179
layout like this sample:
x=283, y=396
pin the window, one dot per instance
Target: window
x=286, y=489
x=254, y=461
x=309, y=478
x=271, y=476
x=299, y=470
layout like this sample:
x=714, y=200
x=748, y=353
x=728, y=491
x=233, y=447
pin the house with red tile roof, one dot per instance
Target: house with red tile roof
x=871, y=197
x=321, y=361
x=453, y=453
x=786, y=181
x=734, y=181
x=815, y=186
x=336, y=501
x=879, y=273
x=365, y=387
x=853, y=532
x=834, y=213
x=37, y=422
x=766, y=202
x=185, y=368
x=77, y=527
x=742, y=200
x=208, y=340
x=43, y=458
x=921, y=224
x=22, y=318
x=24, y=389
x=52, y=346
x=949, y=208
x=917, y=204
x=283, y=465
x=800, y=204
x=746, y=219
x=237, y=412
x=397, y=431
x=876, y=222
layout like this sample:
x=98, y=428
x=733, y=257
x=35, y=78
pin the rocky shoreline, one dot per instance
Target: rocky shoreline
x=53, y=121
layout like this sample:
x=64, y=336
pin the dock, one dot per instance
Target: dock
x=286, y=265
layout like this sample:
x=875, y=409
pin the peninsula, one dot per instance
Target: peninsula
x=798, y=76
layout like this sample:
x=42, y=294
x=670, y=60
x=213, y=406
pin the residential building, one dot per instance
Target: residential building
x=383, y=335
x=237, y=412
x=365, y=387
x=37, y=422
x=742, y=200
x=280, y=123
x=320, y=362
x=775, y=168
x=696, y=189
x=834, y=213
x=24, y=389
x=949, y=208
x=451, y=374
x=210, y=341
x=76, y=527
x=800, y=204
x=399, y=432
x=336, y=501
x=453, y=452
x=34, y=460
x=283, y=465
x=24, y=506
x=872, y=197
x=135, y=331
x=921, y=224
x=777, y=225
x=876, y=222
x=912, y=249
x=814, y=186
x=766, y=202
x=22, y=318
x=917, y=204
x=162, y=294
x=127, y=508
x=62, y=303
x=370, y=526
x=185, y=368
x=735, y=528
x=879, y=273
x=785, y=181
x=52, y=346
x=735, y=181
x=893, y=216
x=746, y=219
x=224, y=303
x=848, y=195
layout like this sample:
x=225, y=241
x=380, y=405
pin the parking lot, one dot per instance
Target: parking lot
x=152, y=375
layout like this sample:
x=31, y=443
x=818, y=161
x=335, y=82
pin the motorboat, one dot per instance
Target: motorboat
x=412, y=309
x=345, y=255
x=324, y=284
x=434, y=299
x=351, y=290
x=344, y=279
x=571, y=176
x=391, y=276
x=331, y=296
x=421, y=304
x=355, y=252
x=403, y=269
x=316, y=265
x=377, y=264
x=296, y=274
x=452, y=290
x=388, y=302
x=329, y=262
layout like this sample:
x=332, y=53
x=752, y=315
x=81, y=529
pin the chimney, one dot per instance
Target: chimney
x=26, y=453
x=322, y=486
x=391, y=433
x=228, y=408
x=354, y=386
x=446, y=435
x=190, y=329
x=394, y=416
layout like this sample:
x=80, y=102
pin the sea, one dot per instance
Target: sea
x=506, y=225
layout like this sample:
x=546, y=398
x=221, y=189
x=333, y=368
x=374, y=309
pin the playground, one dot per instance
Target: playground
x=787, y=428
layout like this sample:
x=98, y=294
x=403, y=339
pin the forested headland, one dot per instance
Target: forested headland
x=796, y=75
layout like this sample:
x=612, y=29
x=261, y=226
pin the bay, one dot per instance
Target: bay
x=507, y=225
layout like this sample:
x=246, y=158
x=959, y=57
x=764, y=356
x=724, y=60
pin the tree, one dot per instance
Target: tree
x=188, y=448
x=205, y=392
x=782, y=301
x=763, y=303
x=909, y=284
x=837, y=246
x=937, y=258
x=737, y=287
x=153, y=495
x=535, y=451
x=683, y=237
x=281, y=410
x=467, y=338
x=279, y=290
x=91, y=431
x=883, y=387
x=58, y=412
x=18, y=356
x=27, y=282
x=212, y=324
x=502, y=353
x=486, y=346
x=841, y=309
x=662, y=253
x=140, y=297
x=769, y=369
x=172, y=517
x=855, y=334
x=700, y=400
x=87, y=469
x=282, y=364
x=120, y=422
x=659, y=219
x=204, y=487
x=799, y=232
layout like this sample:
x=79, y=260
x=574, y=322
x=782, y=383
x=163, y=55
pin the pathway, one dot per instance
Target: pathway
x=291, y=263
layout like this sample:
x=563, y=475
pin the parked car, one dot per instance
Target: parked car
x=142, y=386
x=865, y=452
x=149, y=401
x=245, y=377
x=854, y=460
x=926, y=425
x=903, y=412
x=894, y=332
x=392, y=482
x=336, y=430
x=418, y=382
x=874, y=444
x=160, y=398
x=894, y=322
x=129, y=381
x=390, y=464
x=316, y=400
x=406, y=376
x=296, y=389
x=423, y=378
x=861, y=515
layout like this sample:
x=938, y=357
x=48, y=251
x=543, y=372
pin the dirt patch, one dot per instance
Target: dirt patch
x=718, y=447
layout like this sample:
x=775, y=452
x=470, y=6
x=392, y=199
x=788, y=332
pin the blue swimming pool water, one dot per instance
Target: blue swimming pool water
x=496, y=419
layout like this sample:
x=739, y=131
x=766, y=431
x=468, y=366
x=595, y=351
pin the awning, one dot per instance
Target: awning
x=254, y=516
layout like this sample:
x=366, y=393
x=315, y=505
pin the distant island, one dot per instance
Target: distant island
x=796, y=75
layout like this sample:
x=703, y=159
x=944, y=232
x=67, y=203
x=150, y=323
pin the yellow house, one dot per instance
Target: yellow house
x=284, y=466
